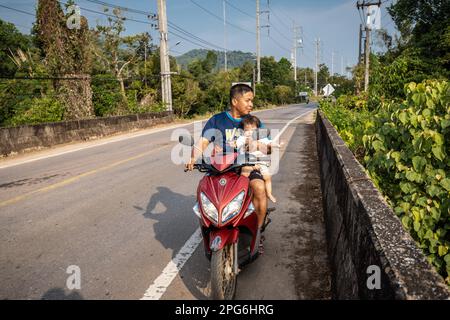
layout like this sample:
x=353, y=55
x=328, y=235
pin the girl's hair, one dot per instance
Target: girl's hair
x=251, y=120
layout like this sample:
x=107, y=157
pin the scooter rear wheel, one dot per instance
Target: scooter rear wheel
x=223, y=277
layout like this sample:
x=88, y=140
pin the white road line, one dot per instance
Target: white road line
x=160, y=285
x=287, y=124
x=17, y=162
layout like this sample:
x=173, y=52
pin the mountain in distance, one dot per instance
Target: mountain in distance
x=234, y=58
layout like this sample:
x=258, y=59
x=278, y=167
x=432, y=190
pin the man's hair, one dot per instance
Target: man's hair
x=239, y=90
x=251, y=120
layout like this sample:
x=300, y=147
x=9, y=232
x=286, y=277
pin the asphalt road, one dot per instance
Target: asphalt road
x=120, y=210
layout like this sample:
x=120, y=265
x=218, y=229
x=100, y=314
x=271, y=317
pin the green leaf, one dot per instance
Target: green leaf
x=396, y=156
x=403, y=117
x=438, y=138
x=447, y=259
x=442, y=250
x=426, y=113
x=419, y=163
x=378, y=145
x=413, y=176
x=422, y=201
x=438, y=152
x=445, y=123
x=416, y=226
x=406, y=221
x=445, y=183
x=428, y=234
x=435, y=214
x=407, y=187
x=433, y=190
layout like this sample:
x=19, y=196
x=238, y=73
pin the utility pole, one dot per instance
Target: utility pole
x=258, y=39
x=145, y=64
x=367, y=56
x=367, y=41
x=258, y=45
x=296, y=46
x=317, y=66
x=332, y=62
x=166, y=86
x=225, y=34
x=360, y=54
x=346, y=68
x=254, y=84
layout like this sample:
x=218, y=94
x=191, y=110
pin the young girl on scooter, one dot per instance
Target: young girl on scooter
x=245, y=142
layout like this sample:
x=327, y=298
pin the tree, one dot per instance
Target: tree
x=67, y=57
x=117, y=52
x=322, y=76
x=11, y=40
x=424, y=27
x=186, y=93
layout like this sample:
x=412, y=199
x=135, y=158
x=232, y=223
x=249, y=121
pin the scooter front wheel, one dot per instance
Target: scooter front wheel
x=223, y=276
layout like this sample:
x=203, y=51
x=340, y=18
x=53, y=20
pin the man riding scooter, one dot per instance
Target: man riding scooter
x=227, y=124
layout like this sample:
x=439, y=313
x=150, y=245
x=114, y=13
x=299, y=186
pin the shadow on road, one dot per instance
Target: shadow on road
x=165, y=229
x=60, y=294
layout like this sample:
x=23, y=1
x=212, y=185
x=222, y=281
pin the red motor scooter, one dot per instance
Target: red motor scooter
x=227, y=216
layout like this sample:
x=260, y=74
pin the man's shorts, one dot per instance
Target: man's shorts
x=255, y=174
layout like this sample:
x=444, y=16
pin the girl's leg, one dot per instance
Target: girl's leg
x=245, y=171
x=268, y=183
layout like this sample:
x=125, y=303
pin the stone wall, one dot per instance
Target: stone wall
x=363, y=231
x=32, y=137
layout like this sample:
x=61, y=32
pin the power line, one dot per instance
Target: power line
x=276, y=42
x=187, y=33
x=236, y=8
x=221, y=19
x=148, y=14
x=113, y=16
x=189, y=40
x=279, y=19
x=280, y=33
x=17, y=10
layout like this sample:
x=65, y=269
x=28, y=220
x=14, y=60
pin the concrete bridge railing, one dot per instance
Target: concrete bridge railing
x=365, y=238
x=33, y=137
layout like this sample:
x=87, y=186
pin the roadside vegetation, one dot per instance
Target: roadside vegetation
x=400, y=129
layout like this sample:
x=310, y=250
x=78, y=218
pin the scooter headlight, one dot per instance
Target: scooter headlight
x=233, y=208
x=197, y=210
x=250, y=210
x=209, y=208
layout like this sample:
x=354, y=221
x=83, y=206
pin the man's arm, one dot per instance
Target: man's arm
x=197, y=152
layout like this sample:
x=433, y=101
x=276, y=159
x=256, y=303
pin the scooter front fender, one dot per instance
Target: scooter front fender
x=220, y=238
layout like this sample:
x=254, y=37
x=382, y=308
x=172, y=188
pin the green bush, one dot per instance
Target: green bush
x=406, y=147
x=352, y=120
x=407, y=156
x=106, y=96
x=37, y=110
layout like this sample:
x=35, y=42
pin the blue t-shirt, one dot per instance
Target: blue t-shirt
x=222, y=128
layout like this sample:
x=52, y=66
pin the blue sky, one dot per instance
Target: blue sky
x=335, y=22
